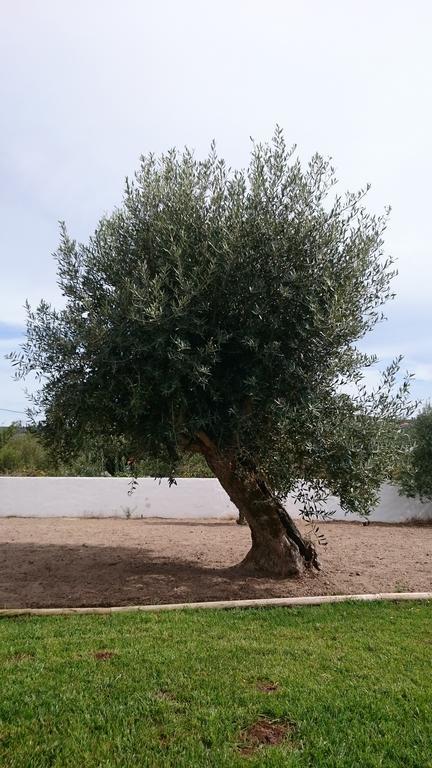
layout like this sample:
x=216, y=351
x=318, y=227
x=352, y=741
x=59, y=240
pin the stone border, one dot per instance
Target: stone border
x=287, y=602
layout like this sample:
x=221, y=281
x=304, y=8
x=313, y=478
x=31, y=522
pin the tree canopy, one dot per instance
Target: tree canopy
x=223, y=308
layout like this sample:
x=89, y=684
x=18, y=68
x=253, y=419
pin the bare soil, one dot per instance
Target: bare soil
x=87, y=562
x=264, y=733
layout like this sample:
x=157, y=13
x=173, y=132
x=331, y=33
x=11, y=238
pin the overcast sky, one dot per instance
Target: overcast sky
x=87, y=86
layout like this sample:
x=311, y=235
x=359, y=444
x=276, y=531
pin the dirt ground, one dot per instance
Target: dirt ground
x=87, y=562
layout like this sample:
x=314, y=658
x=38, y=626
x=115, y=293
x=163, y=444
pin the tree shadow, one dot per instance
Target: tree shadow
x=48, y=575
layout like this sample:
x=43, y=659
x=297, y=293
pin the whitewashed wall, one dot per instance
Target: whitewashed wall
x=194, y=497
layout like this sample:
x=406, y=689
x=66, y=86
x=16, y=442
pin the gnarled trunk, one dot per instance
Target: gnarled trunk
x=278, y=548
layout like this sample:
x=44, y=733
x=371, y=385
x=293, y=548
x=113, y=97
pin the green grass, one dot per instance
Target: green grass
x=355, y=679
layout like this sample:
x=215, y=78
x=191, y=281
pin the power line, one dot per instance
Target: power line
x=8, y=410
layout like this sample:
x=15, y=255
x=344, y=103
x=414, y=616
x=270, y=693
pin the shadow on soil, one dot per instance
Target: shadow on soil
x=47, y=575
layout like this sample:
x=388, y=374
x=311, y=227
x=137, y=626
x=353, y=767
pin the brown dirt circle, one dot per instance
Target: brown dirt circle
x=264, y=733
x=61, y=562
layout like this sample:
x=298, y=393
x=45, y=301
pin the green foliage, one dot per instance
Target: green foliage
x=179, y=688
x=95, y=462
x=227, y=303
x=415, y=477
x=97, y=457
x=7, y=432
x=21, y=452
x=188, y=465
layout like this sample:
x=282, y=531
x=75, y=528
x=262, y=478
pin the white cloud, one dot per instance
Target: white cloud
x=423, y=372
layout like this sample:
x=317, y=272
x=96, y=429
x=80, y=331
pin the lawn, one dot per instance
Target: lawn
x=344, y=685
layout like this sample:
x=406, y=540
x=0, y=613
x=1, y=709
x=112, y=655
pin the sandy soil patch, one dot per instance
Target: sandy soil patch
x=81, y=562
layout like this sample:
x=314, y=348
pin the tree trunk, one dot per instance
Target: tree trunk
x=278, y=548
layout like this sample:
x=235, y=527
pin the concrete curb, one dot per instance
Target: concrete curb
x=287, y=602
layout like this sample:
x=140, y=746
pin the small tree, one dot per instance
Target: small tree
x=217, y=312
x=415, y=477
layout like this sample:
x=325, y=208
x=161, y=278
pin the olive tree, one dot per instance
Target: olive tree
x=217, y=312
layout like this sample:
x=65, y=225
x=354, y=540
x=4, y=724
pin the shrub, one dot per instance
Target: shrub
x=415, y=477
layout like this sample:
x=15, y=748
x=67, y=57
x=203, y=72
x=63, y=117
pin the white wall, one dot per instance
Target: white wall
x=191, y=497
x=108, y=497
